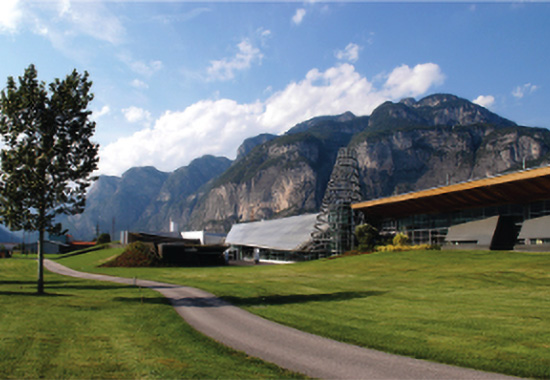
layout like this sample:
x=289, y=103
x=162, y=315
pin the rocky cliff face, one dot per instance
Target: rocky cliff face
x=420, y=158
x=511, y=148
x=405, y=146
x=283, y=182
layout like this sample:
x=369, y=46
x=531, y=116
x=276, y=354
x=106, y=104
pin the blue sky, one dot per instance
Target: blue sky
x=174, y=80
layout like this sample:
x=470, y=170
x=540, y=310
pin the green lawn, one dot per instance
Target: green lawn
x=485, y=310
x=87, y=329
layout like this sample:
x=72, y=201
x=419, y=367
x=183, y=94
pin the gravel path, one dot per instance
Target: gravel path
x=287, y=347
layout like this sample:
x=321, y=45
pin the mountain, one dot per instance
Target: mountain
x=320, y=120
x=404, y=146
x=433, y=110
x=143, y=198
x=253, y=142
x=119, y=201
x=178, y=194
x=7, y=236
x=285, y=176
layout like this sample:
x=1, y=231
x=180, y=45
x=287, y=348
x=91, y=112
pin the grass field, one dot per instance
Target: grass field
x=485, y=310
x=86, y=330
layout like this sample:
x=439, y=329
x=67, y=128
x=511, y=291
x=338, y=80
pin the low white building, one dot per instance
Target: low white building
x=205, y=238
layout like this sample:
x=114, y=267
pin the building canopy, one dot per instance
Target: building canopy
x=510, y=188
x=287, y=234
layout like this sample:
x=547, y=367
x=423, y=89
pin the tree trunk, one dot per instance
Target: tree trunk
x=40, y=285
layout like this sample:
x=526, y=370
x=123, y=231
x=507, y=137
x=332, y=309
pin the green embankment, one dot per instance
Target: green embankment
x=484, y=310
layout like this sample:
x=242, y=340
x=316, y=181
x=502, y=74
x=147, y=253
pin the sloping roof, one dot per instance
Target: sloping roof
x=479, y=231
x=168, y=237
x=531, y=185
x=287, y=234
x=538, y=228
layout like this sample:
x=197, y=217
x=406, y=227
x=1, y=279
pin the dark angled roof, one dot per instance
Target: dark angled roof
x=480, y=231
x=518, y=187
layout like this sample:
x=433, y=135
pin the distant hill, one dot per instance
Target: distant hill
x=8, y=237
x=404, y=146
x=143, y=198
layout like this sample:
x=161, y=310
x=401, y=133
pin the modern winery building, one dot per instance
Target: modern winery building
x=502, y=212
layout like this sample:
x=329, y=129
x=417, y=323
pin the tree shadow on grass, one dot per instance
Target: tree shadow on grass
x=98, y=286
x=50, y=287
x=201, y=302
x=16, y=282
x=300, y=298
x=32, y=294
x=147, y=300
x=50, y=283
x=252, y=301
x=28, y=288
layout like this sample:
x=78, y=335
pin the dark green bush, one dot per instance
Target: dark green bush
x=103, y=238
x=367, y=236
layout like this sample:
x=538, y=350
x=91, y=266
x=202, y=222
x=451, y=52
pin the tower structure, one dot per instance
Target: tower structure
x=333, y=231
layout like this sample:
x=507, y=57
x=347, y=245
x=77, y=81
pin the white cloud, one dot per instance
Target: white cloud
x=182, y=17
x=63, y=22
x=146, y=69
x=264, y=33
x=219, y=126
x=350, y=53
x=225, y=68
x=520, y=91
x=485, y=100
x=10, y=15
x=105, y=110
x=93, y=19
x=406, y=82
x=139, y=84
x=337, y=90
x=206, y=127
x=299, y=16
x=135, y=114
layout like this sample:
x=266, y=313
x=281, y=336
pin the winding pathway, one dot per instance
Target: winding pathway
x=287, y=347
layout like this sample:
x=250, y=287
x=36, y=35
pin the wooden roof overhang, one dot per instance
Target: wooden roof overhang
x=516, y=188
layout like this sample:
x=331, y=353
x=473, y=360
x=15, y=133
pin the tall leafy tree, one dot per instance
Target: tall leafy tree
x=47, y=158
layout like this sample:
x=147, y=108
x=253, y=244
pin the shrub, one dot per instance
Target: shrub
x=403, y=248
x=103, y=238
x=401, y=239
x=137, y=254
x=367, y=236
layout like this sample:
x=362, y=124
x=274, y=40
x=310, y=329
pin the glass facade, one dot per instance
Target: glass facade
x=432, y=228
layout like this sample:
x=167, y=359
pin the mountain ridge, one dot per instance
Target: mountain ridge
x=402, y=146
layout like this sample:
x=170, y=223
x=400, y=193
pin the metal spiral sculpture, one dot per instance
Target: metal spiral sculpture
x=333, y=231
